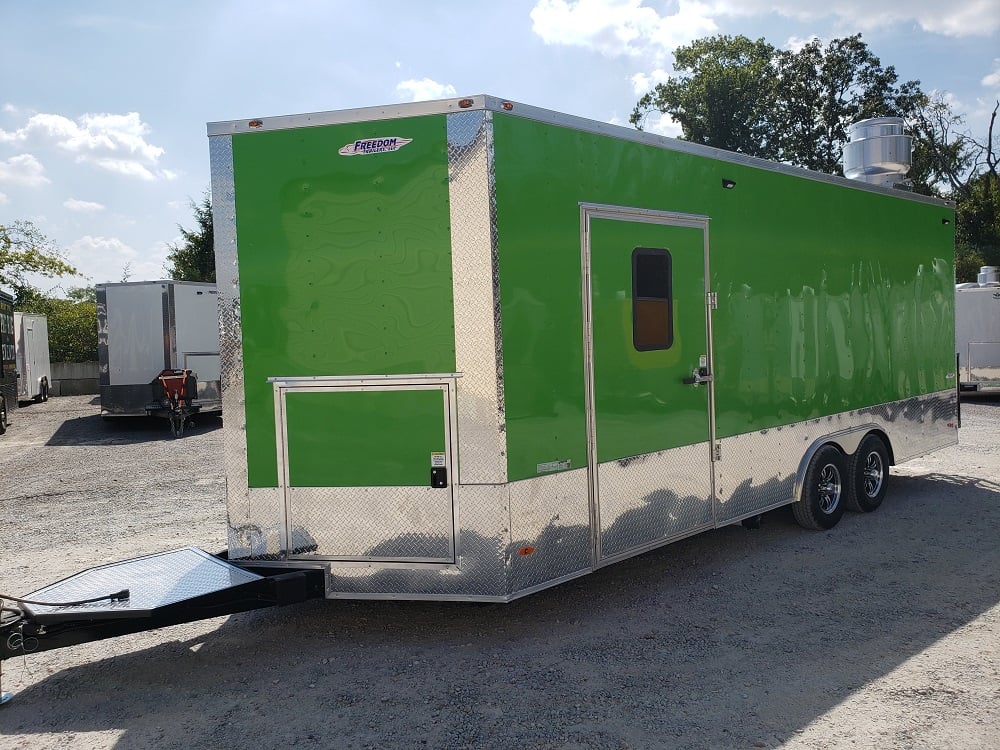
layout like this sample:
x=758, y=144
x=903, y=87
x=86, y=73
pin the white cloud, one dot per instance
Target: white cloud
x=992, y=80
x=4, y=199
x=116, y=143
x=661, y=124
x=100, y=247
x=645, y=82
x=124, y=167
x=617, y=28
x=796, y=43
x=620, y=27
x=85, y=207
x=100, y=259
x=425, y=89
x=23, y=169
x=959, y=18
x=104, y=259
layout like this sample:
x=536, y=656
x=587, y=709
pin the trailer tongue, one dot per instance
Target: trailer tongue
x=145, y=593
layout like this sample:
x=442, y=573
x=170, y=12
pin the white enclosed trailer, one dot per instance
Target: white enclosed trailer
x=31, y=346
x=146, y=327
x=977, y=330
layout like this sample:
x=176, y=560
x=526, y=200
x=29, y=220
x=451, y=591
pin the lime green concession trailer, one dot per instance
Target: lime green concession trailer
x=473, y=348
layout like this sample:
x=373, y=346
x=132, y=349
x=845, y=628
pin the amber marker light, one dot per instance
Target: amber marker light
x=465, y=103
x=525, y=551
x=507, y=106
x=256, y=123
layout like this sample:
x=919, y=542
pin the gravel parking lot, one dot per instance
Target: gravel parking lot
x=881, y=633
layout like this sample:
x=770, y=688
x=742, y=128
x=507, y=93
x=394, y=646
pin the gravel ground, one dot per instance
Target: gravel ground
x=881, y=633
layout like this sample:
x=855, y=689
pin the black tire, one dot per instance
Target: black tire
x=823, y=490
x=3, y=415
x=868, y=475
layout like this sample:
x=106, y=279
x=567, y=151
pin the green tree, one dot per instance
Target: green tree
x=977, y=226
x=194, y=258
x=968, y=171
x=723, y=97
x=820, y=91
x=72, y=322
x=794, y=107
x=23, y=250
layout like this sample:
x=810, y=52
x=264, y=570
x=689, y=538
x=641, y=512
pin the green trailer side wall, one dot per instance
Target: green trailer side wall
x=831, y=298
x=344, y=262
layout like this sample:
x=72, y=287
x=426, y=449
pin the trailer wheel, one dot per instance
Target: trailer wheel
x=821, y=505
x=3, y=415
x=869, y=475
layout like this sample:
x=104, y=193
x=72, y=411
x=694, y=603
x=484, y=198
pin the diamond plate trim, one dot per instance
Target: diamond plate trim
x=476, y=274
x=644, y=500
x=759, y=470
x=262, y=536
x=550, y=516
x=238, y=505
x=480, y=572
x=375, y=523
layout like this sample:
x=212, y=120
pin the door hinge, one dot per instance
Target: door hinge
x=713, y=300
x=717, y=452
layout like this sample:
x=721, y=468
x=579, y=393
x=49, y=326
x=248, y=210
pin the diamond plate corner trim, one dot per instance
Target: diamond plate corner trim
x=550, y=535
x=262, y=537
x=476, y=283
x=759, y=469
x=230, y=341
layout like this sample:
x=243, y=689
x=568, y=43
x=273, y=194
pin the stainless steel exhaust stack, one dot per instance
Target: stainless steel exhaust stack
x=878, y=153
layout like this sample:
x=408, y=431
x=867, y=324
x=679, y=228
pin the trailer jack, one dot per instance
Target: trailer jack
x=146, y=593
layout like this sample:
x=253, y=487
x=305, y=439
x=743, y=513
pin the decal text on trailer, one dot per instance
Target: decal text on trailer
x=374, y=146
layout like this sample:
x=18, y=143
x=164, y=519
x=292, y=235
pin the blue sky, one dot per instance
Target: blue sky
x=103, y=104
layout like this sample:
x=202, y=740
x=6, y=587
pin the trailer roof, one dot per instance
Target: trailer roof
x=509, y=107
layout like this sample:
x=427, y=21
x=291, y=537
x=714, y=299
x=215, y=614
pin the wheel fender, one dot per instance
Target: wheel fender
x=846, y=440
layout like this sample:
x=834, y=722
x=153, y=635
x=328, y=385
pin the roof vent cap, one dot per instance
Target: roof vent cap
x=878, y=152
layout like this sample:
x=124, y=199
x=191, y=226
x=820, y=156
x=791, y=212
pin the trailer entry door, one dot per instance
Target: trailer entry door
x=366, y=469
x=648, y=377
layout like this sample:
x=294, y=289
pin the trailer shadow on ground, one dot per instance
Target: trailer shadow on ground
x=97, y=430
x=733, y=638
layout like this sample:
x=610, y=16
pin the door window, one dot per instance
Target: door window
x=652, y=303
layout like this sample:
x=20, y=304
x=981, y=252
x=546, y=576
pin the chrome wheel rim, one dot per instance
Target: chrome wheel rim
x=829, y=489
x=874, y=474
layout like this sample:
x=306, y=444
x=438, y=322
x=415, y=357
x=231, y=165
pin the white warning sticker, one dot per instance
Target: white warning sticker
x=437, y=460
